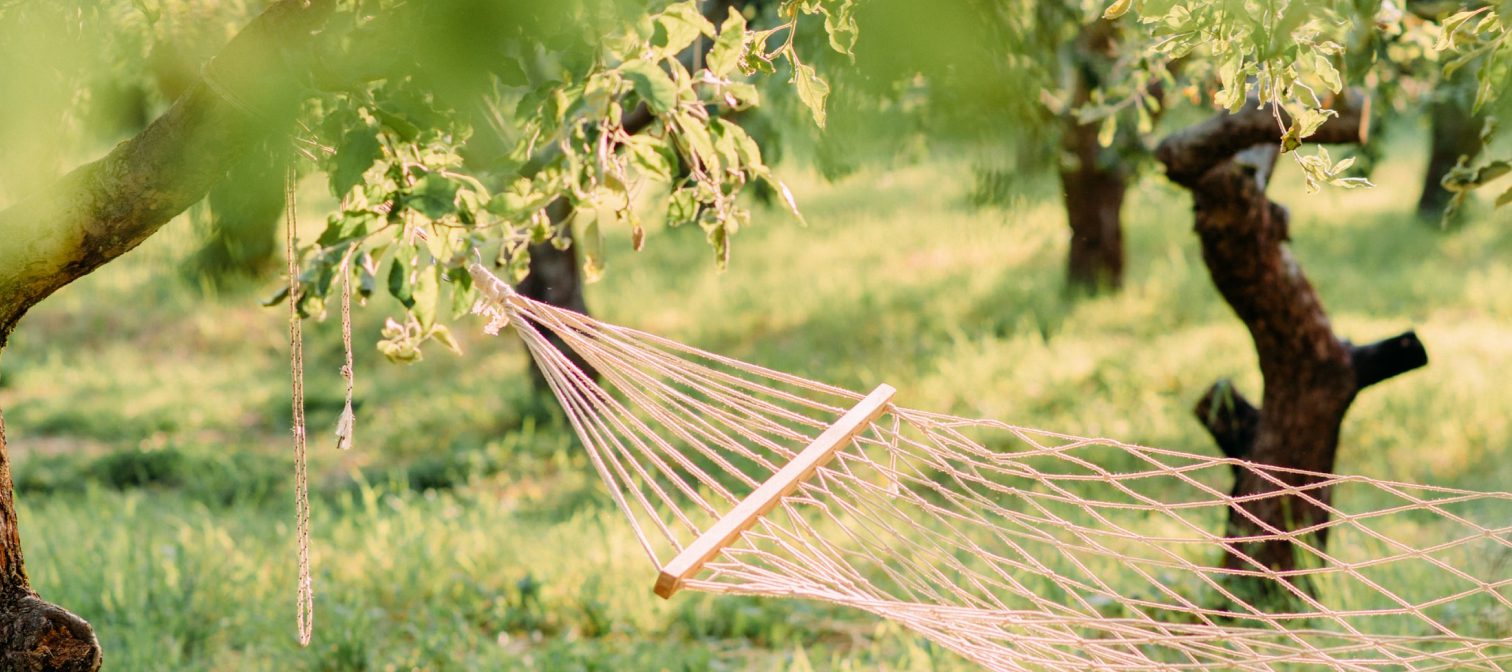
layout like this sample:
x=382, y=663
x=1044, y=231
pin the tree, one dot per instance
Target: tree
x=1041, y=87
x=559, y=81
x=1277, y=68
x=1311, y=375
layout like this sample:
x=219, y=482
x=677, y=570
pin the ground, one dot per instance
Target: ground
x=466, y=530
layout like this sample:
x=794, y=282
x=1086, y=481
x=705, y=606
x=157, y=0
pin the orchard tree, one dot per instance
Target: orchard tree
x=1279, y=71
x=1033, y=88
x=449, y=130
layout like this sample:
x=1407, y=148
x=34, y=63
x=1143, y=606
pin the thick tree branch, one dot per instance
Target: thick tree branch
x=106, y=208
x=1192, y=152
x=1385, y=359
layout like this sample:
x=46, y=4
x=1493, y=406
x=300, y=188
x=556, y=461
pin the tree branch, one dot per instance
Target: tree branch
x=1230, y=418
x=106, y=208
x=1387, y=358
x=1192, y=152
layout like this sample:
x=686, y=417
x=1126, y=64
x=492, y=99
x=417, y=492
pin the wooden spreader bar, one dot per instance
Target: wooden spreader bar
x=765, y=498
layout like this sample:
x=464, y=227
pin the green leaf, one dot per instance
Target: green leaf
x=788, y=200
x=434, y=196
x=444, y=336
x=1231, y=96
x=840, y=25
x=737, y=147
x=652, y=84
x=1504, y=198
x=652, y=156
x=695, y=134
x=398, y=284
x=277, y=298
x=592, y=240
x=724, y=57
x=1326, y=71
x=427, y=295
x=678, y=26
x=358, y=151
x=812, y=89
x=345, y=226
x=1449, y=26
x=682, y=207
x=1109, y=129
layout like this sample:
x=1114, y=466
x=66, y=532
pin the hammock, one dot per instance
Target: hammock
x=1017, y=548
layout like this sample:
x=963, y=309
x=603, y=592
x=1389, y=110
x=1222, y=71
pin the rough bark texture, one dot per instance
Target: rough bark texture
x=105, y=209
x=1311, y=375
x=34, y=635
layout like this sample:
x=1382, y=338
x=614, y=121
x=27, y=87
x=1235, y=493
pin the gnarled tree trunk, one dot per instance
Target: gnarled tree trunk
x=34, y=635
x=1311, y=375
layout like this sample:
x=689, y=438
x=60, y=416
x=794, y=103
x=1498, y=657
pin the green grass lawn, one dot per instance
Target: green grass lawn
x=466, y=531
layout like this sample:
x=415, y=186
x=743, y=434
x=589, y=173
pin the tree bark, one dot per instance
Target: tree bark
x=1311, y=375
x=34, y=635
x=1094, y=196
x=105, y=209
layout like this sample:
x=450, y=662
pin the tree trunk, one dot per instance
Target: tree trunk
x=1453, y=132
x=1311, y=375
x=1094, y=196
x=34, y=635
x=105, y=209
x=1094, y=182
x=556, y=278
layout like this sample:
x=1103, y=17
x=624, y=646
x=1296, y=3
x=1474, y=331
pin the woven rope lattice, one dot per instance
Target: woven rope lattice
x=1017, y=548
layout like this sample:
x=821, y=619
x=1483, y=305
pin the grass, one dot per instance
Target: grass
x=149, y=423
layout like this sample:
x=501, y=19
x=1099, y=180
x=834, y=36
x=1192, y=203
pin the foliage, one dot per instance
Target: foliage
x=456, y=154
x=1479, y=38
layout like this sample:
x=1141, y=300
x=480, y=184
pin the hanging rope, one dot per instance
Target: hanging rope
x=1017, y=548
x=304, y=615
x=346, y=424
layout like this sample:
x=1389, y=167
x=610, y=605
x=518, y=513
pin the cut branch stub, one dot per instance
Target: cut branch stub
x=1388, y=358
x=1230, y=418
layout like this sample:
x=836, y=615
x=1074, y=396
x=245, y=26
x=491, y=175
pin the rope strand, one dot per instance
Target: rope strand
x=304, y=615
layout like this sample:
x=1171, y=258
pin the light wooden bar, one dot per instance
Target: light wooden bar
x=765, y=498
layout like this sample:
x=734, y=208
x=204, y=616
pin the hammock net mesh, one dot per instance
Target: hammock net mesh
x=1017, y=548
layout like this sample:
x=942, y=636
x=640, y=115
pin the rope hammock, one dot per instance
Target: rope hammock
x=1017, y=548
